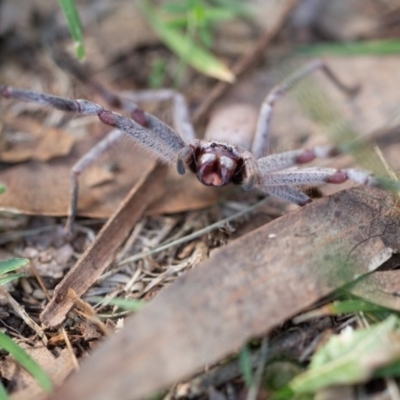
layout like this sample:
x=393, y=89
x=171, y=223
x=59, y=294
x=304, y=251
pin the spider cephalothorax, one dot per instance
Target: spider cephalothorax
x=214, y=163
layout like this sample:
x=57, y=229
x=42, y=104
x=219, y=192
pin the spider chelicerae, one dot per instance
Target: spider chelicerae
x=214, y=163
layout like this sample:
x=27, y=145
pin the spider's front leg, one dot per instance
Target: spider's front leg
x=187, y=157
x=279, y=183
x=152, y=135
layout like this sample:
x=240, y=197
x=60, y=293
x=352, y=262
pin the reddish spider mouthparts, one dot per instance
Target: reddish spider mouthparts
x=214, y=163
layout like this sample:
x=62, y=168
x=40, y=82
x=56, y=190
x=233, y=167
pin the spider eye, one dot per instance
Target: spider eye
x=230, y=149
x=213, y=144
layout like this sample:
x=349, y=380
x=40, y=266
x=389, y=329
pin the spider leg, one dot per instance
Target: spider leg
x=315, y=176
x=262, y=135
x=185, y=156
x=280, y=161
x=147, y=130
x=288, y=193
x=166, y=134
x=127, y=100
x=181, y=115
x=83, y=163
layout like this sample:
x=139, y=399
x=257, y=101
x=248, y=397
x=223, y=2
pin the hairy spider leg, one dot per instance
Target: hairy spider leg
x=83, y=163
x=280, y=161
x=127, y=101
x=262, y=134
x=288, y=193
x=148, y=131
x=279, y=183
x=180, y=109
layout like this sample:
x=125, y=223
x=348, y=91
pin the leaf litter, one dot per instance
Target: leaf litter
x=147, y=276
x=210, y=312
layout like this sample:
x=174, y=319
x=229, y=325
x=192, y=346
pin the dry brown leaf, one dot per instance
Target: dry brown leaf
x=101, y=252
x=39, y=143
x=43, y=188
x=242, y=291
x=58, y=368
x=381, y=287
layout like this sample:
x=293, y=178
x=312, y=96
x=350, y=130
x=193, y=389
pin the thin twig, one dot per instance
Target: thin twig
x=70, y=349
x=39, y=281
x=87, y=311
x=22, y=313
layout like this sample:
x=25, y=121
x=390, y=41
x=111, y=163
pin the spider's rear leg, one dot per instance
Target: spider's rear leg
x=83, y=163
x=262, y=135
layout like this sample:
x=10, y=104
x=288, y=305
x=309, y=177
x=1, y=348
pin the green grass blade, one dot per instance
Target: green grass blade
x=74, y=24
x=10, y=278
x=3, y=393
x=211, y=15
x=26, y=361
x=352, y=358
x=125, y=304
x=356, y=305
x=186, y=48
x=12, y=264
x=245, y=365
x=2, y=189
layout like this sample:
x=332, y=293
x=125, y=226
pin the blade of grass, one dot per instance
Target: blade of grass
x=351, y=358
x=74, y=24
x=3, y=393
x=185, y=48
x=125, y=304
x=10, y=278
x=245, y=365
x=12, y=264
x=26, y=361
x=355, y=305
x=210, y=14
